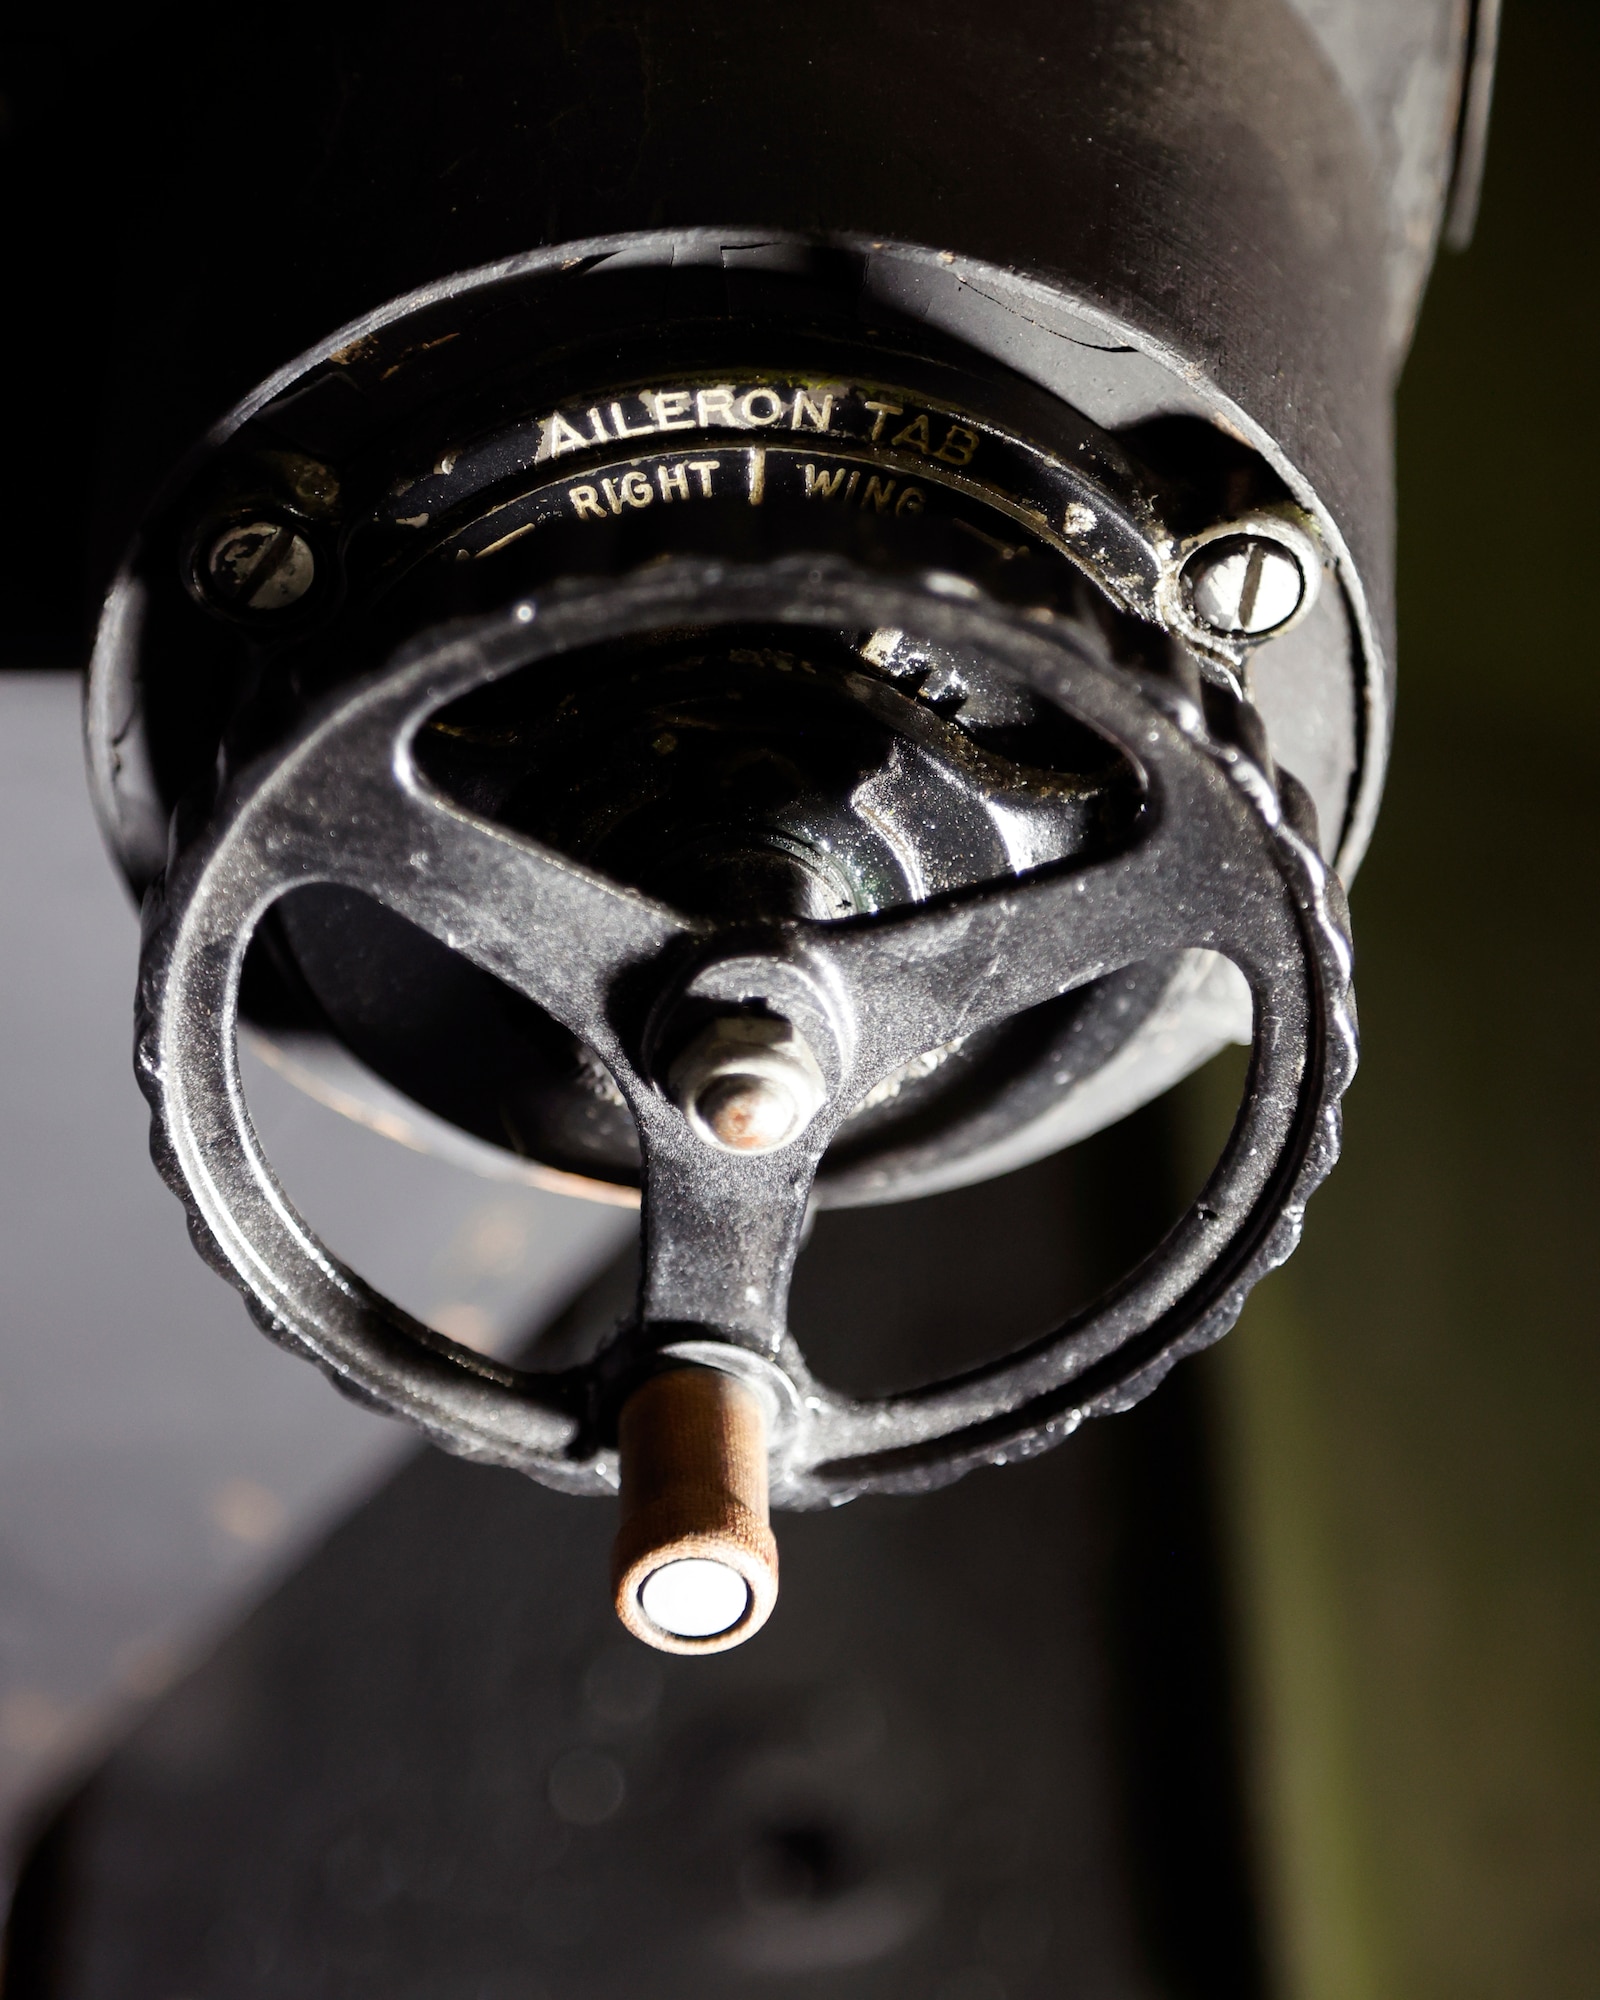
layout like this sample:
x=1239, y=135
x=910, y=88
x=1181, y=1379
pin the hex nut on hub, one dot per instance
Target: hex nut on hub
x=748, y=1084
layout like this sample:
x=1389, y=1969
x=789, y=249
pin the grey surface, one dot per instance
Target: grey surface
x=432, y=1766
x=982, y=1751
x=1402, y=68
x=159, y=1461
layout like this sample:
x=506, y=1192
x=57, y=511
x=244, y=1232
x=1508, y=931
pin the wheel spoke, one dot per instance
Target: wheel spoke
x=555, y=931
x=721, y=1233
x=924, y=976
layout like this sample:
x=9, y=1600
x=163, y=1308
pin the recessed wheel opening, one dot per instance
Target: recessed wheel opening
x=958, y=1280
x=750, y=773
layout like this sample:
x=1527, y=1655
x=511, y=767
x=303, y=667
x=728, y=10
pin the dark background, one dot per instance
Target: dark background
x=1410, y=1414
x=1414, y=1403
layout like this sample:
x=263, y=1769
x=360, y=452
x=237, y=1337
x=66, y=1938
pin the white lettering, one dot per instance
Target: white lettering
x=772, y=401
x=563, y=436
x=704, y=467
x=821, y=415
x=822, y=485
x=914, y=437
x=885, y=412
x=714, y=405
x=623, y=430
x=586, y=503
x=670, y=408
x=636, y=489
x=673, y=480
x=959, y=445
x=601, y=434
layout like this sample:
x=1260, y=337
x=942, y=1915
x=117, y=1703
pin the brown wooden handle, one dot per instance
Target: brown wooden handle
x=695, y=1564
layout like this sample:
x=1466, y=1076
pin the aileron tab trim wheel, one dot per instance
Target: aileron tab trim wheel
x=343, y=803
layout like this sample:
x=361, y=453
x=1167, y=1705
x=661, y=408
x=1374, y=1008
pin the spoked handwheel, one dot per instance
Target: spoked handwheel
x=740, y=1048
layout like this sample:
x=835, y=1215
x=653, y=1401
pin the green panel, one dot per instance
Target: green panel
x=1413, y=1406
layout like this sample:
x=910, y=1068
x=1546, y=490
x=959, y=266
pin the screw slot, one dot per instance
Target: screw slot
x=259, y=566
x=1244, y=585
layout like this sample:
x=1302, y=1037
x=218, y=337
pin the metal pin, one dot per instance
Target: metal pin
x=695, y=1563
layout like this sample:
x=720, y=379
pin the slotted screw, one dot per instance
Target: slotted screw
x=260, y=566
x=1244, y=584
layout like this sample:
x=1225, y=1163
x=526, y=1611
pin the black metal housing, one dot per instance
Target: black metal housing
x=1103, y=287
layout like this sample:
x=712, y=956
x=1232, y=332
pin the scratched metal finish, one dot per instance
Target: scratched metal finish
x=1222, y=858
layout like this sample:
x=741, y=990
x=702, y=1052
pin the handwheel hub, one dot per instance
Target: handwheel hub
x=748, y=1084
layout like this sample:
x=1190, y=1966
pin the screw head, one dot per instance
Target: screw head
x=748, y=1084
x=259, y=566
x=1244, y=585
